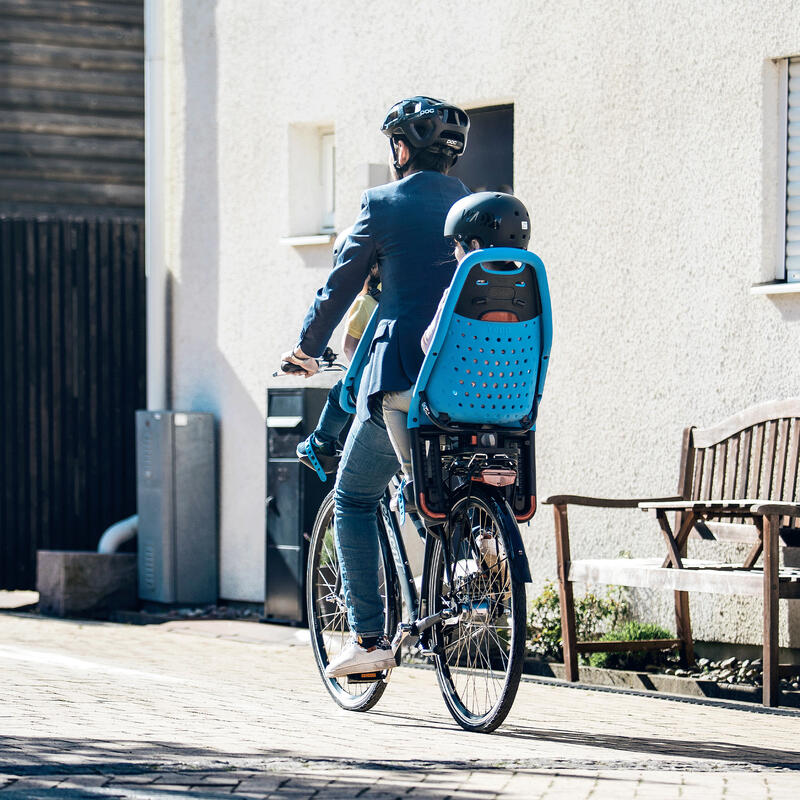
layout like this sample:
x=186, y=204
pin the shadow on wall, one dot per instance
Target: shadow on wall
x=201, y=378
x=788, y=306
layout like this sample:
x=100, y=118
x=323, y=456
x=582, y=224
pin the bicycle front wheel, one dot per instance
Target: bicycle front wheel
x=327, y=615
x=481, y=649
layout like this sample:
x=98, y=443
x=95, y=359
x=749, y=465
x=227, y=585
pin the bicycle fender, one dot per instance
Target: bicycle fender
x=520, y=568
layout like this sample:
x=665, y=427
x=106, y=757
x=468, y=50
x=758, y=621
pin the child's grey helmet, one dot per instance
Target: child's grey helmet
x=429, y=124
x=495, y=219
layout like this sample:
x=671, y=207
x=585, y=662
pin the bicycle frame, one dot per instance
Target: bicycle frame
x=413, y=628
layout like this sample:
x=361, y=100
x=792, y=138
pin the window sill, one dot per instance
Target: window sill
x=776, y=287
x=305, y=241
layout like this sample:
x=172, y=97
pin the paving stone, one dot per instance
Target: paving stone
x=160, y=712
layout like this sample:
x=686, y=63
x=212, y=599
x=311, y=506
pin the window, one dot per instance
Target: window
x=312, y=180
x=327, y=170
x=792, y=197
x=488, y=163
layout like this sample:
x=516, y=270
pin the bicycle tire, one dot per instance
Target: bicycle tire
x=481, y=651
x=327, y=618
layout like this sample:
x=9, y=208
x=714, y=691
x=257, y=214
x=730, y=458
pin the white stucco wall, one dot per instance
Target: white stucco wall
x=645, y=149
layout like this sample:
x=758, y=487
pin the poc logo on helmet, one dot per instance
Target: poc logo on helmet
x=480, y=218
x=427, y=111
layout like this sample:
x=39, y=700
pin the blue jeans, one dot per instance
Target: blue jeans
x=368, y=464
x=333, y=417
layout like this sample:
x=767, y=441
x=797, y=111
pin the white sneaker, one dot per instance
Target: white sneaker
x=357, y=659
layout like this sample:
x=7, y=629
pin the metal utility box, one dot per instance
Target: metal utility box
x=176, y=496
x=294, y=494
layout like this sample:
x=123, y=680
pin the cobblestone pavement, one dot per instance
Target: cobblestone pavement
x=221, y=709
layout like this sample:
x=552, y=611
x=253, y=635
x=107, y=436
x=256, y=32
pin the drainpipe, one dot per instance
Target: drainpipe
x=155, y=205
x=155, y=265
x=119, y=533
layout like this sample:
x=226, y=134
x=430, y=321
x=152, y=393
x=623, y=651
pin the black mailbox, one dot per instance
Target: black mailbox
x=294, y=494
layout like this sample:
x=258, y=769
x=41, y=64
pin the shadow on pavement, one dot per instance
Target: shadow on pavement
x=693, y=747
x=644, y=748
x=36, y=768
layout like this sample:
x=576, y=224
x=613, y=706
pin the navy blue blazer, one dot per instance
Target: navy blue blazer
x=400, y=226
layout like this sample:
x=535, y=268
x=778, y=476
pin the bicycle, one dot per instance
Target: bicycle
x=473, y=482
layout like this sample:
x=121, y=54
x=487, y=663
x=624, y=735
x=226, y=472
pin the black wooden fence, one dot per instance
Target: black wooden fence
x=72, y=373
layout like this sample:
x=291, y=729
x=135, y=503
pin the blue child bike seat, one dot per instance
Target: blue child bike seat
x=488, y=359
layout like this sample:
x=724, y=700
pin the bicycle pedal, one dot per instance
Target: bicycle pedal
x=367, y=677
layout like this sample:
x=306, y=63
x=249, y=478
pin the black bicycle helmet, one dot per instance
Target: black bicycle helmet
x=495, y=219
x=428, y=124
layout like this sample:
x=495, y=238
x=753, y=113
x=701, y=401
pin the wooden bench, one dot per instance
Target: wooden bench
x=738, y=482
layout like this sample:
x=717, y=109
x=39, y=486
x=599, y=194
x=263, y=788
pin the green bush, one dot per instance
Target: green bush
x=636, y=659
x=594, y=615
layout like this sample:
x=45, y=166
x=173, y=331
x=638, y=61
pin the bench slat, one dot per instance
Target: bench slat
x=623, y=646
x=696, y=576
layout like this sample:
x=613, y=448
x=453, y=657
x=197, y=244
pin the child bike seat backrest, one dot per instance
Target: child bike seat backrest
x=488, y=358
x=352, y=379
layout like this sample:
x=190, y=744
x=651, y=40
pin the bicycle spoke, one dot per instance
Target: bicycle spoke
x=479, y=648
x=328, y=614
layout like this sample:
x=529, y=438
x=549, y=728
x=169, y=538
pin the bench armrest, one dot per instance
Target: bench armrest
x=769, y=507
x=604, y=502
x=744, y=507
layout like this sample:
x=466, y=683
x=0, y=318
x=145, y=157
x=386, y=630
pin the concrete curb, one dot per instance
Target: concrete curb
x=657, y=683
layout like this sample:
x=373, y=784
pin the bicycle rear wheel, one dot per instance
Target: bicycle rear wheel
x=327, y=615
x=480, y=651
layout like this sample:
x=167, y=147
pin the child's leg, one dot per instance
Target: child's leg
x=395, y=414
x=333, y=417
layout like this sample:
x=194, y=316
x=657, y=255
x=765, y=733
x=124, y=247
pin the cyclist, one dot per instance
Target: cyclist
x=399, y=226
x=477, y=222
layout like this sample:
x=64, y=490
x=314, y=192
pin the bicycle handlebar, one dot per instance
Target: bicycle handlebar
x=328, y=357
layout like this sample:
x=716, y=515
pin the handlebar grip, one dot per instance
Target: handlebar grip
x=290, y=367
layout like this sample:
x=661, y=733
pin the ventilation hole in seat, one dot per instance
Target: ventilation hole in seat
x=484, y=384
x=466, y=394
